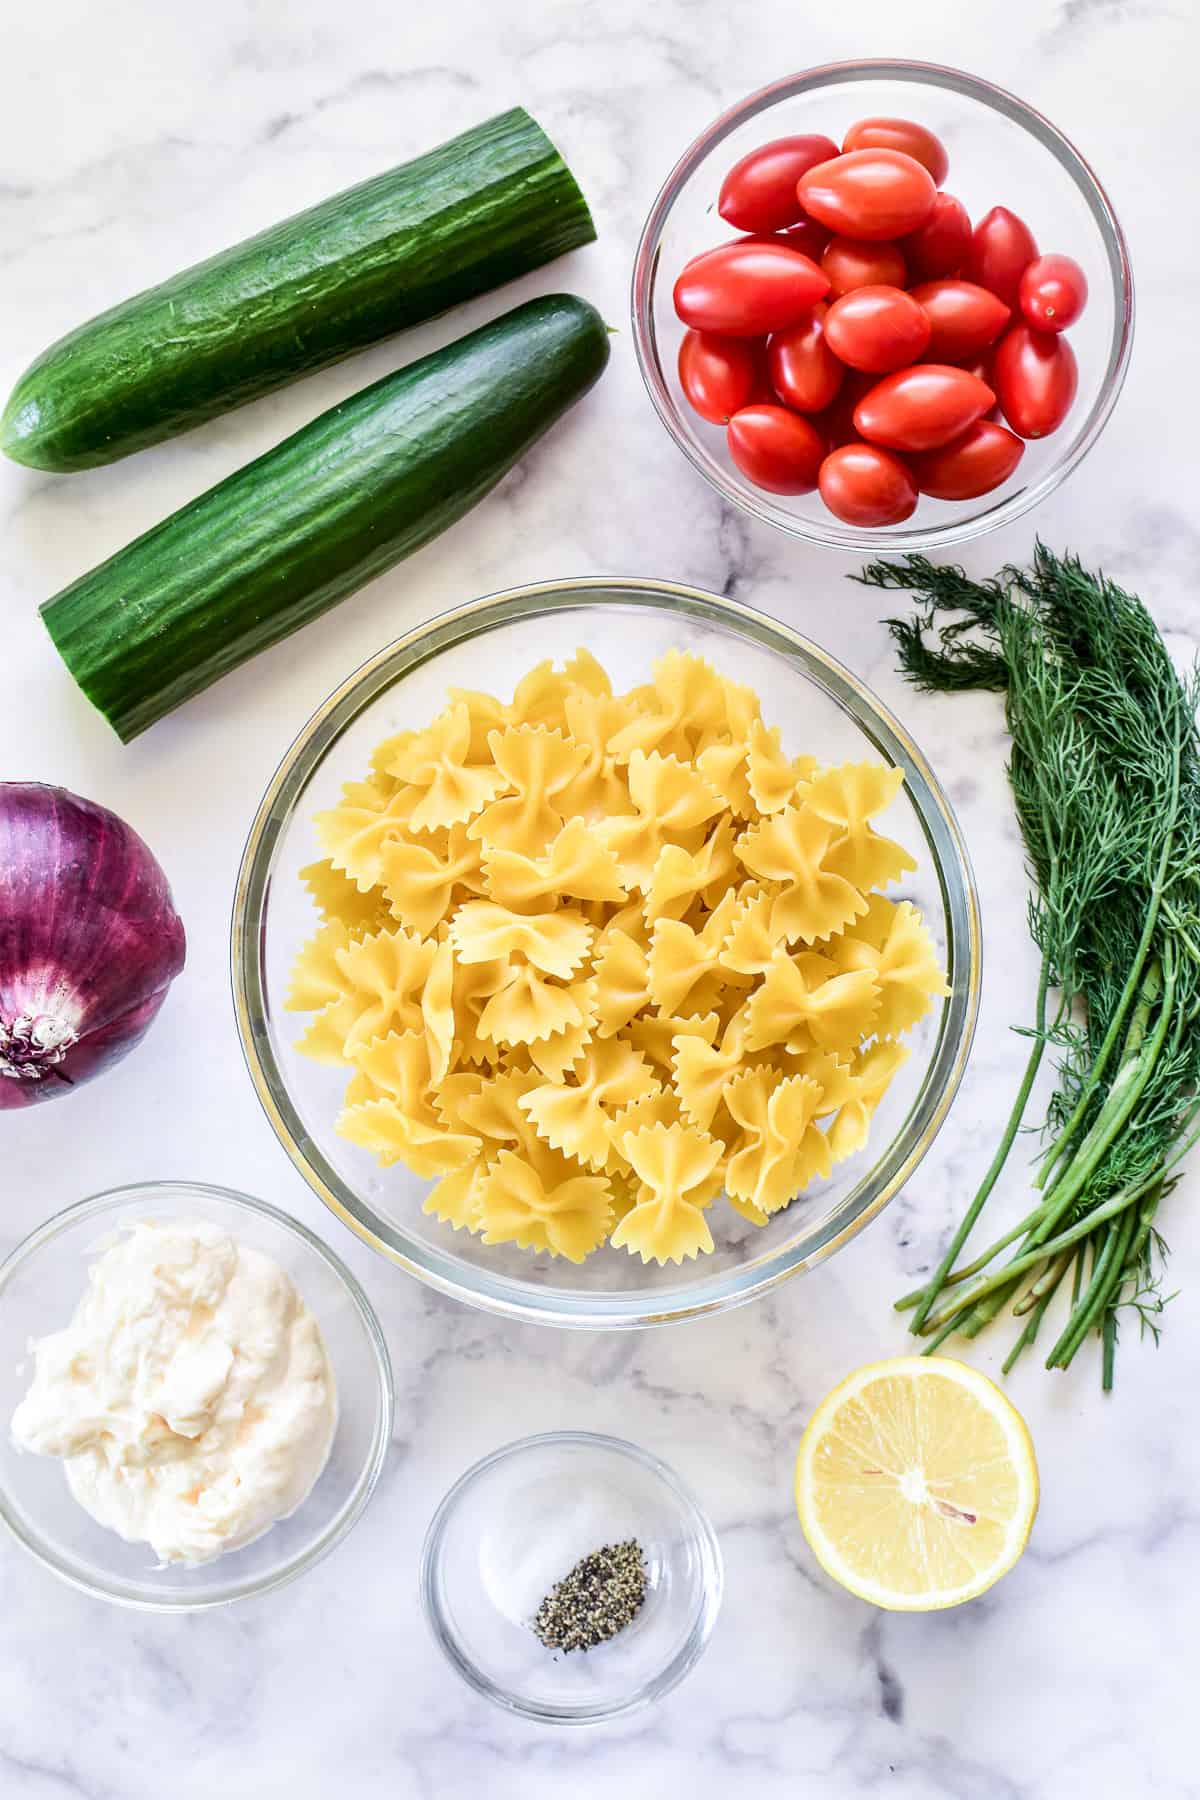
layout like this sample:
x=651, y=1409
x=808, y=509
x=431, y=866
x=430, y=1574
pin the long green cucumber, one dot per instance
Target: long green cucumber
x=323, y=512
x=481, y=209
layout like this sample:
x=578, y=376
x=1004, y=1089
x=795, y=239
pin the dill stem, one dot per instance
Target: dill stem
x=1109, y=1271
x=1039, y=1312
x=967, y=1222
x=1132, y=983
x=1074, y=1234
x=1123, y=1096
x=907, y=1301
x=1047, y=1281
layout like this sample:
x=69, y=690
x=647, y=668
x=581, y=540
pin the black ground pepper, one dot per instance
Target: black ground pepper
x=603, y=1593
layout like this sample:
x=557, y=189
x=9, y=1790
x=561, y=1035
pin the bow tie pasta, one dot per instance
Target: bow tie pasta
x=595, y=960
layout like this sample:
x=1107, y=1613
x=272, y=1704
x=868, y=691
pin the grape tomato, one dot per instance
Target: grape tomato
x=719, y=375
x=747, y=288
x=850, y=264
x=914, y=140
x=963, y=318
x=759, y=192
x=1002, y=248
x=1053, y=292
x=776, y=449
x=941, y=244
x=877, y=329
x=870, y=194
x=803, y=369
x=968, y=466
x=1036, y=377
x=867, y=486
x=922, y=407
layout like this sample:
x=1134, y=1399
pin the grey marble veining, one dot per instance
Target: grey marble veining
x=135, y=138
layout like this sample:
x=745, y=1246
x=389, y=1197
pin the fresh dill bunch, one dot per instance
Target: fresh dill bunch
x=1105, y=775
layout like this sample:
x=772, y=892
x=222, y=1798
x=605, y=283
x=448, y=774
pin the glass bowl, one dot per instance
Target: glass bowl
x=490, y=645
x=1002, y=152
x=41, y=1284
x=515, y=1524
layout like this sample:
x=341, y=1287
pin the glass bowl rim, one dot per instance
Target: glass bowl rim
x=513, y=1297
x=111, y=1200
x=654, y=1688
x=835, y=536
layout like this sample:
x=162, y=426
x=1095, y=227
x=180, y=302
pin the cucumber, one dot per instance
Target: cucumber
x=326, y=510
x=481, y=209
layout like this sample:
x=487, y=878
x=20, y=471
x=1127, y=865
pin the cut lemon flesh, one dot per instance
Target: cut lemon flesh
x=916, y=1483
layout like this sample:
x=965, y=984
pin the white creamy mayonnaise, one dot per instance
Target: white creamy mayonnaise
x=191, y=1397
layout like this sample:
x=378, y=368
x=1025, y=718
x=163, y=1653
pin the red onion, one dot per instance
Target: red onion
x=89, y=941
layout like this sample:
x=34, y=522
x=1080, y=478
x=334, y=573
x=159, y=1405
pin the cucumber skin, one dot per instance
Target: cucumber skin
x=489, y=205
x=325, y=511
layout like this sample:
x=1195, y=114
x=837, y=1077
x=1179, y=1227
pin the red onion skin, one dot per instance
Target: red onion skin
x=89, y=941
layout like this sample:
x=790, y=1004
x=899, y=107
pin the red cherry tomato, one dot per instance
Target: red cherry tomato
x=901, y=134
x=776, y=449
x=759, y=192
x=850, y=265
x=871, y=194
x=922, y=407
x=867, y=486
x=1053, y=292
x=940, y=247
x=747, y=288
x=1036, y=378
x=803, y=369
x=877, y=329
x=963, y=318
x=719, y=375
x=970, y=465
x=1002, y=248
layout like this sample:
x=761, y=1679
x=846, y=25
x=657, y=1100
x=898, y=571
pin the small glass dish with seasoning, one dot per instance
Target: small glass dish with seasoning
x=571, y=1577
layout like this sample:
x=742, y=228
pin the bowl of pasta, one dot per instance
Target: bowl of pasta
x=604, y=953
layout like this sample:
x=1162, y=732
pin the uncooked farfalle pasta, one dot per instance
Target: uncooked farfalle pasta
x=595, y=959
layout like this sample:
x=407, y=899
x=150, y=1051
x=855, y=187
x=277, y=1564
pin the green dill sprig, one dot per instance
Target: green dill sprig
x=1105, y=774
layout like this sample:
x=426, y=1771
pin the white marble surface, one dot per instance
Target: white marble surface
x=135, y=137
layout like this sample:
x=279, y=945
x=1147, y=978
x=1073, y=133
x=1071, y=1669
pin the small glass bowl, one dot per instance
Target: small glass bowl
x=41, y=1284
x=1001, y=152
x=821, y=707
x=516, y=1523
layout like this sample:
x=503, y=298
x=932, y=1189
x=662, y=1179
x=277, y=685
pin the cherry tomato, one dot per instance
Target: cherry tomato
x=867, y=486
x=940, y=247
x=747, y=288
x=759, y=192
x=871, y=194
x=776, y=449
x=850, y=265
x=718, y=375
x=963, y=318
x=970, y=465
x=922, y=407
x=901, y=134
x=1002, y=248
x=803, y=369
x=877, y=329
x=1036, y=378
x=1053, y=292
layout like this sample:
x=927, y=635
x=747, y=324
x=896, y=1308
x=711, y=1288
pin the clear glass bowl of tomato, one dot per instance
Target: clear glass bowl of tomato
x=1002, y=153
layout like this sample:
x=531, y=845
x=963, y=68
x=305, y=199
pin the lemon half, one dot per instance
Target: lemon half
x=916, y=1483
